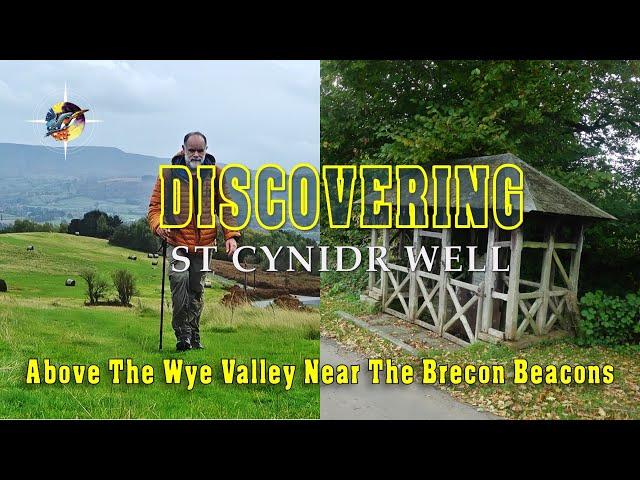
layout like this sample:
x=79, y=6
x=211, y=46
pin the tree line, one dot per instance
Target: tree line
x=577, y=121
x=137, y=236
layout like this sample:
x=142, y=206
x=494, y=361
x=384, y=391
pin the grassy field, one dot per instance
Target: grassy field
x=618, y=400
x=41, y=318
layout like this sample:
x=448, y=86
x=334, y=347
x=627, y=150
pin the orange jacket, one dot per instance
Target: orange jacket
x=191, y=236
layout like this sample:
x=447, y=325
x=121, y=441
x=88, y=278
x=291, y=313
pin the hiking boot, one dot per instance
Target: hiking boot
x=183, y=345
x=195, y=341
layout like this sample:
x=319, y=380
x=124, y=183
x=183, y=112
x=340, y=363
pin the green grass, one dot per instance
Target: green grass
x=619, y=400
x=41, y=318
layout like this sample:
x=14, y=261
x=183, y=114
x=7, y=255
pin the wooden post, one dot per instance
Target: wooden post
x=443, y=280
x=489, y=279
x=513, y=294
x=413, y=278
x=574, y=271
x=372, y=275
x=479, y=312
x=545, y=277
x=384, y=282
x=245, y=279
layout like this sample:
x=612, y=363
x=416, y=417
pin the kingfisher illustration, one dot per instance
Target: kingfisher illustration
x=65, y=121
x=59, y=123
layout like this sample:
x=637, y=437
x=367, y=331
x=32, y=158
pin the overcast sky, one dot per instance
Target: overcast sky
x=252, y=112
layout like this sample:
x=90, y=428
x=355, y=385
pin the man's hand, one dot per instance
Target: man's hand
x=231, y=246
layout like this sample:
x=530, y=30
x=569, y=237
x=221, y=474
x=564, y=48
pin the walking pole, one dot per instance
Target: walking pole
x=164, y=254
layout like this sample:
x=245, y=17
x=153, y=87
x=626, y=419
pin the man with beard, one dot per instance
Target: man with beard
x=187, y=284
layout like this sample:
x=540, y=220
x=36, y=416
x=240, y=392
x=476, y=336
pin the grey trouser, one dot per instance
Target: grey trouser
x=187, y=290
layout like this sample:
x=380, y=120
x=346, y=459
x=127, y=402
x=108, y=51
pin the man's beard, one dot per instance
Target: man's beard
x=193, y=164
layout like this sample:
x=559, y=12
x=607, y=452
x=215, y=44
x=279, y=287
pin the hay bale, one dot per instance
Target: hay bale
x=77, y=234
x=155, y=255
x=30, y=248
x=154, y=263
x=70, y=282
x=149, y=255
x=207, y=283
x=132, y=257
x=3, y=285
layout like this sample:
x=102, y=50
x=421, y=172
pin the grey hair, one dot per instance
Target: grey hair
x=191, y=134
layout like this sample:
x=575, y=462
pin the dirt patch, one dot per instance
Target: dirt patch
x=263, y=293
x=297, y=283
x=235, y=297
x=107, y=303
x=290, y=302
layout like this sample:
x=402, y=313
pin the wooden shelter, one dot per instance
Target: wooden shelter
x=543, y=256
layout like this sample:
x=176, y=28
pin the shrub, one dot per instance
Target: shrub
x=354, y=281
x=25, y=225
x=125, y=285
x=607, y=320
x=96, y=285
x=136, y=236
x=95, y=224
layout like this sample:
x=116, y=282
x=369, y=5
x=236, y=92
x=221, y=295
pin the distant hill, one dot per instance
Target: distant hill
x=37, y=182
x=18, y=160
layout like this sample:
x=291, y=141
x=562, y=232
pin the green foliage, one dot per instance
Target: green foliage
x=22, y=226
x=558, y=112
x=610, y=248
x=312, y=333
x=102, y=229
x=338, y=282
x=125, y=285
x=607, y=320
x=577, y=121
x=96, y=285
x=136, y=236
x=95, y=224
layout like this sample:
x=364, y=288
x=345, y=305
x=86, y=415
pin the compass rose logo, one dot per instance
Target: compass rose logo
x=64, y=121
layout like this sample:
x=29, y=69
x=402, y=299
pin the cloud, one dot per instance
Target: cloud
x=251, y=111
x=120, y=87
x=9, y=97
